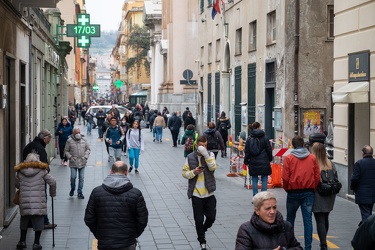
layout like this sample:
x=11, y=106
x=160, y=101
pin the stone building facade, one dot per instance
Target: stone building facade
x=268, y=61
x=354, y=84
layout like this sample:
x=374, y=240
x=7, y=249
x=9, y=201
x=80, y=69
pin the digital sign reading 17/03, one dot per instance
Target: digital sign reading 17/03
x=92, y=30
x=83, y=30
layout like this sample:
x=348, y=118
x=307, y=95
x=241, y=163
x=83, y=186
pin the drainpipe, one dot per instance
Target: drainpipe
x=296, y=67
x=30, y=80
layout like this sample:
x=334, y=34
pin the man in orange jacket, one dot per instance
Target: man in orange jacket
x=301, y=176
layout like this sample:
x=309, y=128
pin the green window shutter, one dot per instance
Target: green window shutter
x=209, y=3
x=202, y=6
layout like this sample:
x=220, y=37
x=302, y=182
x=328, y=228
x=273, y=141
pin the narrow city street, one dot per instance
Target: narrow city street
x=171, y=224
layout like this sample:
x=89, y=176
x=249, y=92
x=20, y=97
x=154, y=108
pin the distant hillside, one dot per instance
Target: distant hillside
x=106, y=41
x=101, y=48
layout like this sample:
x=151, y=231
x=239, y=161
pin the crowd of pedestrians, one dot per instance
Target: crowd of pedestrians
x=303, y=172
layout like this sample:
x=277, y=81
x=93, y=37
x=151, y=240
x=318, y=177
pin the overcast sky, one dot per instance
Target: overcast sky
x=107, y=13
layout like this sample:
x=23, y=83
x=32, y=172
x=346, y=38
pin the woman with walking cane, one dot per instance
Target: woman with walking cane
x=31, y=176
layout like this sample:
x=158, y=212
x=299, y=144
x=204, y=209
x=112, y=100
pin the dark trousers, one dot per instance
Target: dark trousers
x=203, y=207
x=322, y=226
x=174, y=137
x=61, y=149
x=106, y=145
x=366, y=211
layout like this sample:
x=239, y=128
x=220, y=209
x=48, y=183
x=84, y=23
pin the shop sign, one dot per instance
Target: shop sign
x=359, y=67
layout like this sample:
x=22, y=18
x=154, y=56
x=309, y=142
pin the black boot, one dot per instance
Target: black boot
x=323, y=247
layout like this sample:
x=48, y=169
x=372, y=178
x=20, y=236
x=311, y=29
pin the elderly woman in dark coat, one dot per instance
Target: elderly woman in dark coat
x=31, y=176
x=323, y=205
x=266, y=228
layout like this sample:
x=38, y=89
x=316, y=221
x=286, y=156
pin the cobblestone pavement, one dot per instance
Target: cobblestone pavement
x=171, y=223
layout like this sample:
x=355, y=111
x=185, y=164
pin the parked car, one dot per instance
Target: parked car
x=106, y=108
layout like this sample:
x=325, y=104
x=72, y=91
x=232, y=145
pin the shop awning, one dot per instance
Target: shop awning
x=353, y=92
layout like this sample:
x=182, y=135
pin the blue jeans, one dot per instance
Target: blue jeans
x=254, y=181
x=159, y=133
x=89, y=127
x=73, y=177
x=134, y=156
x=100, y=131
x=305, y=200
x=154, y=133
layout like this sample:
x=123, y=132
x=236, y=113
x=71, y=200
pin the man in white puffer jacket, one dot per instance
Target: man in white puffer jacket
x=77, y=150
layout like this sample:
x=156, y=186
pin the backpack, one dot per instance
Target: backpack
x=190, y=143
x=223, y=125
x=329, y=184
x=212, y=141
x=142, y=124
x=254, y=146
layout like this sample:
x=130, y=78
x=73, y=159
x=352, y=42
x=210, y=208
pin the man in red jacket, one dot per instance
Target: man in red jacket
x=301, y=176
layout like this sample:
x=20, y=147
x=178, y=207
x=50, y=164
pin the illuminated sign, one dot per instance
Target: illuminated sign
x=83, y=30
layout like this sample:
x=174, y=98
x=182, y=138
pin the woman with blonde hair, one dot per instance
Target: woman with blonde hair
x=323, y=205
x=267, y=228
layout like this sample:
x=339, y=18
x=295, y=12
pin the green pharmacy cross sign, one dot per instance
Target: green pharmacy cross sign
x=118, y=83
x=83, y=30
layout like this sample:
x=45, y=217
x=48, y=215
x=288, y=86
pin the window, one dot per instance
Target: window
x=270, y=72
x=217, y=55
x=209, y=3
x=202, y=6
x=271, y=27
x=209, y=52
x=238, y=49
x=202, y=54
x=253, y=35
x=330, y=22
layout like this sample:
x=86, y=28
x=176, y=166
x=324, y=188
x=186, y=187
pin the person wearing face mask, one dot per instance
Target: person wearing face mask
x=77, y=150
x=267, y=228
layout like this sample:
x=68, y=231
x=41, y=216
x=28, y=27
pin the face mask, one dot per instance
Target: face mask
x=78, y=136
x=123, y=123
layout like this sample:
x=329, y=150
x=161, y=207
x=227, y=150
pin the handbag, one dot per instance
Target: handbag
x=329, y=185
x=16, y=199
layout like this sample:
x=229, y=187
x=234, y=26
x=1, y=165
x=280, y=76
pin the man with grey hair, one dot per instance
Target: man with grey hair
x=77, y=150
x=38, y=145
x=106, y=208
x=363, y=182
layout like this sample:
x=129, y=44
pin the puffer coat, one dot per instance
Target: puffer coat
x=66, y=131
x=257, y=234
x=116, y=213
x=30, y=180
x=77, y=151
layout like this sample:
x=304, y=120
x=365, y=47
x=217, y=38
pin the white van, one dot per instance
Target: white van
x=106, y=108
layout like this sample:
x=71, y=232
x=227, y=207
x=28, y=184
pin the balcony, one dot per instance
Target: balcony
x=20, y=4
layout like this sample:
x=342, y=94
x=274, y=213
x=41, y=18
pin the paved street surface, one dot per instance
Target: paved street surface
x=171, y=223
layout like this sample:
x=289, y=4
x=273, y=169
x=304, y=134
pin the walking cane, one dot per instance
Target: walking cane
x=53, y=225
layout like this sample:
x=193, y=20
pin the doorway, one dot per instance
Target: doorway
x=358, y=133
x=269, y=104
